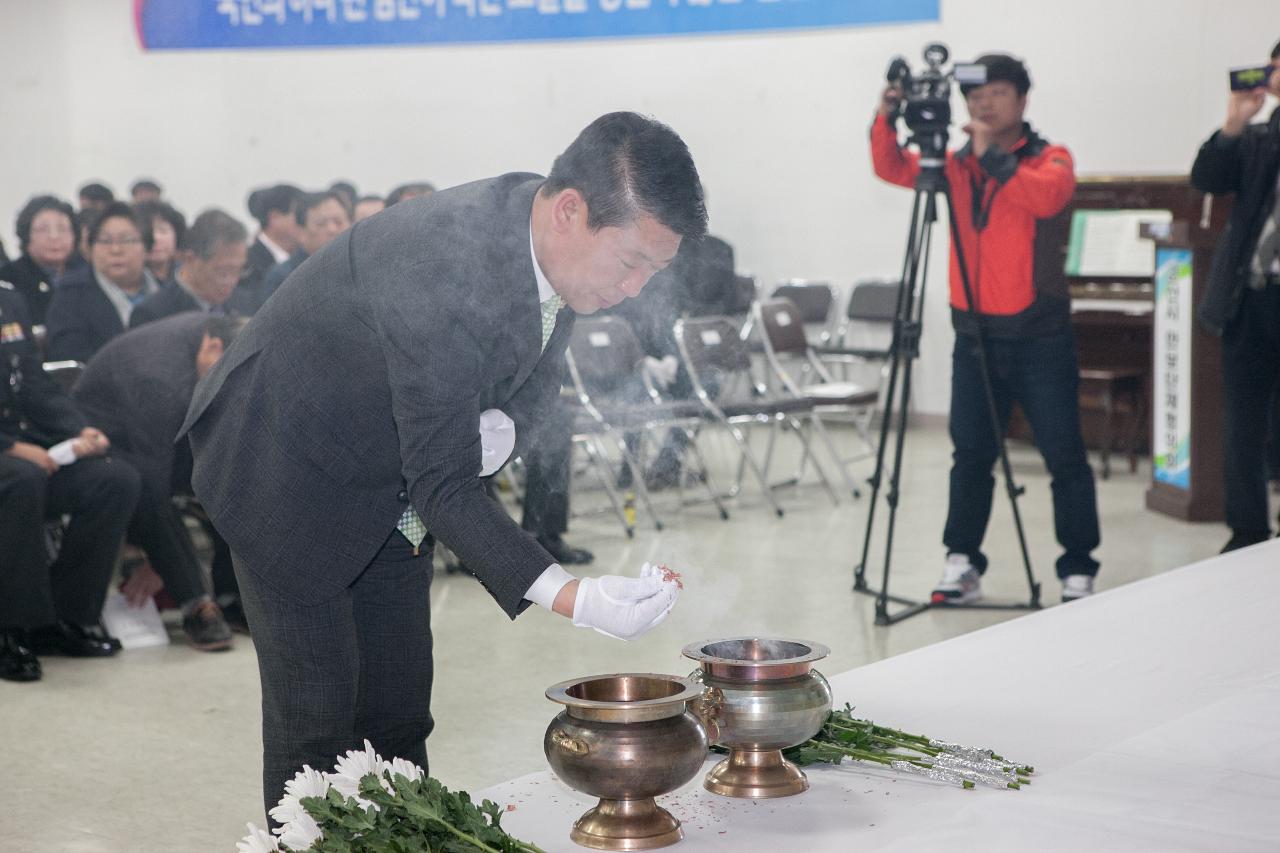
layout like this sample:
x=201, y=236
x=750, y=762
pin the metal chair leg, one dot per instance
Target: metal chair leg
x=798, y=429
x=849, y=485
x=604, y=473
x=755, y=469
x=706, y=473
x=637, y=477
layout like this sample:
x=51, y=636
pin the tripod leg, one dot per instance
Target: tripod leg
x=906, y=292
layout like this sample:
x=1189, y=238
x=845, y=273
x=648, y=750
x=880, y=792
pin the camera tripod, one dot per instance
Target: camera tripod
x=904, y=350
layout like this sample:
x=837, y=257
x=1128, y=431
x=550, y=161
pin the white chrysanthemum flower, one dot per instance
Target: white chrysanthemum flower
x=306, y=783
x=407, y=769
x=353, y=767
x=257, y=841
x=300, y=833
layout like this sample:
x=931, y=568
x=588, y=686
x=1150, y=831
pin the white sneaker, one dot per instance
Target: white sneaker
x=1076, y=586
x=960, y=584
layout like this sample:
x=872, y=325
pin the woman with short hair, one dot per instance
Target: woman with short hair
x=47, y=239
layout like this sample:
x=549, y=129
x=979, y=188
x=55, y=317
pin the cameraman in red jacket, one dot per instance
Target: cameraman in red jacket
x=1003, y=182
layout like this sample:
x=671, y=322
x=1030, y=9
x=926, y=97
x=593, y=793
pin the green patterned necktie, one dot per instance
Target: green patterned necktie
x=410, y=524
x=550, y=309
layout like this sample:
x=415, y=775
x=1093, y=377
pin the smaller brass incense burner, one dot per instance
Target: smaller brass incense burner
x=761, y=696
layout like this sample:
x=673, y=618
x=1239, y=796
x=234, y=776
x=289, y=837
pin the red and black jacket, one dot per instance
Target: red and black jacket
x=1001, y=200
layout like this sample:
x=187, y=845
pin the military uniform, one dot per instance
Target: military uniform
x=98, y=493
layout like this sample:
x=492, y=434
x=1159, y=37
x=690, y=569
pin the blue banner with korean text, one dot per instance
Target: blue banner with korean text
x=189, y=24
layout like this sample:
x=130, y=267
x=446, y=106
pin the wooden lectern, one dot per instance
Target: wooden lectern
x=1186, y=438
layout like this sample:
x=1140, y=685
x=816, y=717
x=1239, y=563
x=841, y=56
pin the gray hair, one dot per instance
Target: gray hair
x=213, y=229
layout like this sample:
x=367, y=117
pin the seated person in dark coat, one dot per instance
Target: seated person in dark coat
x=277, y=239
x=52, y=464
x=91, y=307
x=211, y=258
x=137, y=388
x=168, y=227
x=321, y=216
x=46, y=230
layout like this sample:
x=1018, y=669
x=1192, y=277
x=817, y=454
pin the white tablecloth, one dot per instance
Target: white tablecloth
x=1150, y=712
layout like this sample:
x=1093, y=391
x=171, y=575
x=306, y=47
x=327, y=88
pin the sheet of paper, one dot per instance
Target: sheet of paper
x=1106, y=242
x=134, y=627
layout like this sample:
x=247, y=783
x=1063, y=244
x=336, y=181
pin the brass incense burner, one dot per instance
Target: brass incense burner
x=761, y=696
x=626, y=739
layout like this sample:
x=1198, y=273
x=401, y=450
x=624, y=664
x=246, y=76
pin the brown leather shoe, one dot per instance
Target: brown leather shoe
x=206, y=628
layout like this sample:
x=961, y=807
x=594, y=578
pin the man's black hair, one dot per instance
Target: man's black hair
x=210, y=230
x=225, y=327
x=345, y=188
x=410, y=190
x=145, y=184
x=625, y=164
x=150, y=211
x=1275, y=52
x=32, y=209
x=310, y=201
x=120, y=210
x=97, y=192
x=1002, y=66
x=280, y=198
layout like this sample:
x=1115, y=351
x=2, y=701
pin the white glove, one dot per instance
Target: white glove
x=497, y=440
x=624, y=608
x=661, y=371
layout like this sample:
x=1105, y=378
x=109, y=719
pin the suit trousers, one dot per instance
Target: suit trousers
x=1042, y=375
x=99, y=494
x=157, y=528
x=352, y=667
x=1250, y=382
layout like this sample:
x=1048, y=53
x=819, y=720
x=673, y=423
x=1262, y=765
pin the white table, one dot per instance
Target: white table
x=1151, y=713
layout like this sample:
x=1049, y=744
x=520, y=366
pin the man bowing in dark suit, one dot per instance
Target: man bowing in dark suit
x=340, y=435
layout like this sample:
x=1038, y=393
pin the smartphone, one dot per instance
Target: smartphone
x=1244, y=79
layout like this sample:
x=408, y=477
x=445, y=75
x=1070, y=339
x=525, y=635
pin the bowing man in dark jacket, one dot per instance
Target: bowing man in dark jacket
x=211, y=257
x=341, y=432
x=1242, y=301
x=51, y=464
x=137, y=389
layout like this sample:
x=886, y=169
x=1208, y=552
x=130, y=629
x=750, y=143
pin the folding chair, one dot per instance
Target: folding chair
x=816, y=302
x=785, y=345
x=865, y=333
x=719, y=366
x=604, y=358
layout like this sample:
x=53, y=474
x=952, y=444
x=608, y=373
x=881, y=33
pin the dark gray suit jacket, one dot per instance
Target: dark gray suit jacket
x=170, y=299
x=358, y=388
x=137, y=389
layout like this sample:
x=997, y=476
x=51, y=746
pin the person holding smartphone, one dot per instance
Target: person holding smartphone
x=1242, y=303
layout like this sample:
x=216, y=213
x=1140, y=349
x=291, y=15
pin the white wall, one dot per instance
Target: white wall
x=777, y=123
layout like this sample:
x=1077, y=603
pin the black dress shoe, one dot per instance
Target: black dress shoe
x=17, y=661
x=564, y=553
x=67, y=638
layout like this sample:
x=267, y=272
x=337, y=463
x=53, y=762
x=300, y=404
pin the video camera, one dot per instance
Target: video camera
x=926, y=98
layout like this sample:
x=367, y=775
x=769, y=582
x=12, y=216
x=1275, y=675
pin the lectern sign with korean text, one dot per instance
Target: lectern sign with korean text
x=193, y=24
x=1171, y=430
